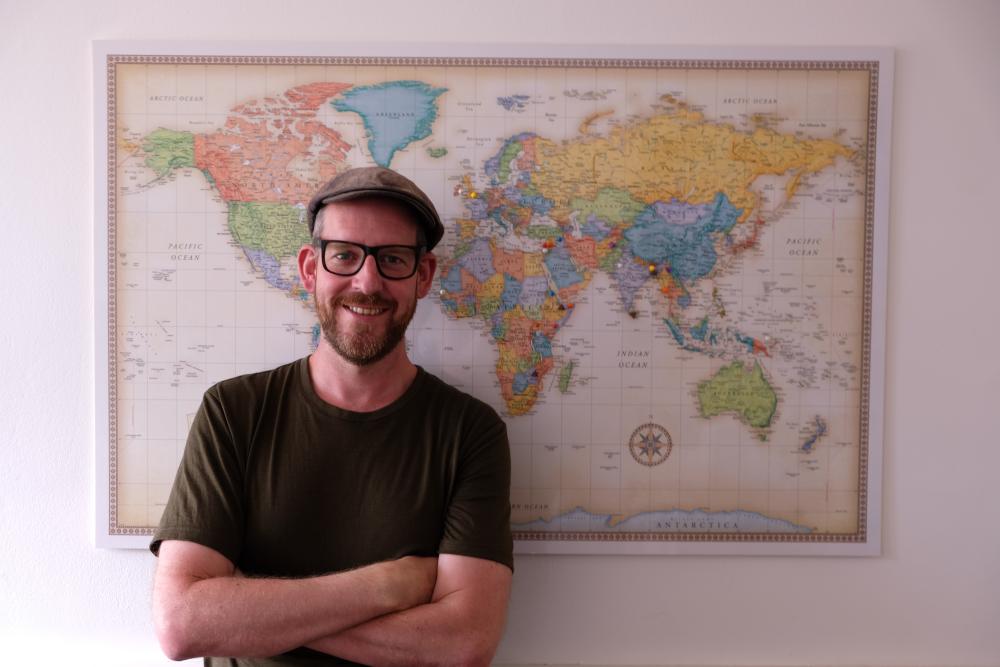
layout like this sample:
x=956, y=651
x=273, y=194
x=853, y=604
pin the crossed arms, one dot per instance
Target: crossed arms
x=448, y=610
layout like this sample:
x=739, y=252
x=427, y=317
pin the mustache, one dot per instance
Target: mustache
x=364, y=301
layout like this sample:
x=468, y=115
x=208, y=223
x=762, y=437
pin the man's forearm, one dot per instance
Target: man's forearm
x=230, y=615
x=235, y=616
x=460, y=627
x=432, y=634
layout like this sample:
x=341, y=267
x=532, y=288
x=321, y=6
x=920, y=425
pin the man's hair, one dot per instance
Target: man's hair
x=421, y=233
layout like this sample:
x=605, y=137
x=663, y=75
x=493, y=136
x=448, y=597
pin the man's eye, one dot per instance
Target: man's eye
x=341, y=255
x=392, y=259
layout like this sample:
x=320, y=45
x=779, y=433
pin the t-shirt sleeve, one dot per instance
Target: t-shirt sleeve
x=206, y=502
x=477, y=521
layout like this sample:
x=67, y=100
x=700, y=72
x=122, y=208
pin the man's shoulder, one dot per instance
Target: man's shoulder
x=447, y=396
x=259, y=383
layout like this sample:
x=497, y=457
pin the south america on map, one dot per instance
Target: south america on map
x=655, y=275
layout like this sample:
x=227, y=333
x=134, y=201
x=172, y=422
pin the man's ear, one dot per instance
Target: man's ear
x=308, y=265
x=425, y=273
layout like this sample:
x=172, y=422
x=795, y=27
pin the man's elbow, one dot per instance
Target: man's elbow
x=475, y=650
x=476, y=656
x=175, y=634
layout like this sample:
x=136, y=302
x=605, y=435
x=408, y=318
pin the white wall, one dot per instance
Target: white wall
x=932, y=598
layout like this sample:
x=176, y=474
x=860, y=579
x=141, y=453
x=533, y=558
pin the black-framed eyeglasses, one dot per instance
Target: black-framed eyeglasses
x=345, y=258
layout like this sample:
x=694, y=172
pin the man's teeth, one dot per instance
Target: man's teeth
x=365, y=311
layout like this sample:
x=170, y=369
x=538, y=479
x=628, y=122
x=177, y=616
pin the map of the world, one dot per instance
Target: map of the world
x=657, y=272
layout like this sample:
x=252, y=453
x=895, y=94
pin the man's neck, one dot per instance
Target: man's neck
x=360, y=388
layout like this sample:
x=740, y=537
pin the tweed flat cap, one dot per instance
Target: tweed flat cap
x=379, y=182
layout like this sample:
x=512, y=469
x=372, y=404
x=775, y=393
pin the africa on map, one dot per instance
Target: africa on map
x=658, y=273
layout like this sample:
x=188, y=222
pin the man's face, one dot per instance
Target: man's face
x=364, y=317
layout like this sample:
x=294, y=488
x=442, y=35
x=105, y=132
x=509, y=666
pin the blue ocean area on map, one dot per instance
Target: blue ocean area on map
x=395, y=113
x=672, y=521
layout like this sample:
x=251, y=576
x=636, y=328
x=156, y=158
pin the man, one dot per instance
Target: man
x=348, y=504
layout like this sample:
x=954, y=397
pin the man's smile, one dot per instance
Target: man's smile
x=363, y=310
x=365, y=305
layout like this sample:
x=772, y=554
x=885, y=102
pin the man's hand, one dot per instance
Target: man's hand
x=203, y=606
x=412, y=579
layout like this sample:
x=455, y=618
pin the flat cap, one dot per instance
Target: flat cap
x=379, y=182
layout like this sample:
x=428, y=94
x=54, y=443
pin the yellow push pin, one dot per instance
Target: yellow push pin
x=652, y=268
x=473, y=194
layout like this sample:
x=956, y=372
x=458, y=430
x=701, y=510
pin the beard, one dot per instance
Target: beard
x=363, y=346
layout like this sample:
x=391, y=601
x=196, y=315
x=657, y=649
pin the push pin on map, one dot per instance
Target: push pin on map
x=473, y=194
x=442, y=292
x=652, y=269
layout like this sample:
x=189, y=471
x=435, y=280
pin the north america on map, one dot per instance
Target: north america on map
x=656, y=280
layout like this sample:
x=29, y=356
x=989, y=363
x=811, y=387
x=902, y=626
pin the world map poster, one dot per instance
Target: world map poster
x=666, y=273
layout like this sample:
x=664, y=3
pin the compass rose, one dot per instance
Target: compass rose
x=650, y=444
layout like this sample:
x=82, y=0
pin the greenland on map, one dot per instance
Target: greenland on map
x=666, y=274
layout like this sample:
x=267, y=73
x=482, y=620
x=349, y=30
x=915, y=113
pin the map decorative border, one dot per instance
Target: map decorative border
x=878, y=63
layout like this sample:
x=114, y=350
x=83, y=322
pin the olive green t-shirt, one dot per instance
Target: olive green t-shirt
x=283, y=484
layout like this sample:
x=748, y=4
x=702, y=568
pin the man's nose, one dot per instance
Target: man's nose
x=367, y=279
